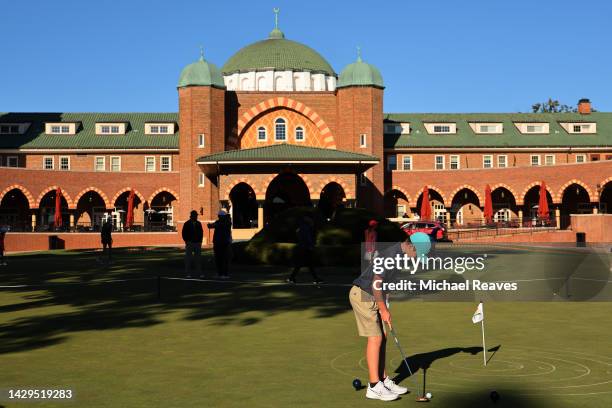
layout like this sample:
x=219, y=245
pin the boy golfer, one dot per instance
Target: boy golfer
x=371, y=313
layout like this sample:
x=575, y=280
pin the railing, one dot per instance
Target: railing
x=91, y=227
x=474, y=229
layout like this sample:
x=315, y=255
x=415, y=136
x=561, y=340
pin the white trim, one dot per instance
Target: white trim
x=286, y=125
x=505, y=164
x=450, y=161
x=363, y=140
x=411, y=162
x=531, y=164
x=52, y=162
x=265, y=133
x=110, y=167
x=161, y=163
x=436, y=162
x=154, y=164
x=584, y=158
x=291, y=161
x=59, y=167
x=69, y=151
x=447, y=149
x=8, y=159
x=201, y=140
x=554, y=159
x=303, y=134
x=96, y=163
x=201, y=179
x=485, y=157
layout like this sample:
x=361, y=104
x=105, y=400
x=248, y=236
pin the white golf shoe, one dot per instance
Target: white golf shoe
x=393, y=387
x=380, y=392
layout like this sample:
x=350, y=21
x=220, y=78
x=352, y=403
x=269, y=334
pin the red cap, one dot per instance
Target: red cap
x=373, y=223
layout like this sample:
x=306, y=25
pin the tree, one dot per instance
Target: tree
x=551, y=106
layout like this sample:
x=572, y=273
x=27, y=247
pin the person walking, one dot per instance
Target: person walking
x=193, y=234
x=222, y=243
x=107, y=238
x=304, y=250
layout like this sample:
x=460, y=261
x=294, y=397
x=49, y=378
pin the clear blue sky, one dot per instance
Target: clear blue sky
x=435, y=55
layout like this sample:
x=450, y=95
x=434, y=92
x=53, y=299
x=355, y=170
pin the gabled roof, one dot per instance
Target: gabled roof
x=286, y=153
x=511, y=136
x=86, y=137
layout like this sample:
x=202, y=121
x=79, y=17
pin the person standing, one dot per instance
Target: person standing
x=107, y=238
x=371, y=236
x=2, y=236
x=193, y=234
x=222, y=243
x=304, y=250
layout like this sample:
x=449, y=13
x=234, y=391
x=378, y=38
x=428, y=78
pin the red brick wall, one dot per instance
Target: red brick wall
x=597, y=227
x=85, y=161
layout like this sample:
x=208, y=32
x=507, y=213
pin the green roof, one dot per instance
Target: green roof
x=511, y=136
x=286, y=152
x=201, y=73
x=86, y=137
x=360, y=73
x=279, y=54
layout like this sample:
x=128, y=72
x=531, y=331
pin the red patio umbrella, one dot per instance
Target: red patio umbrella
x=543, y=212
x=488, y=206
x=425, y=212
x=57, y=220
x=130, y=211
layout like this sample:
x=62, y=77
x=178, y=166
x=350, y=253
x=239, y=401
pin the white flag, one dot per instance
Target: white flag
x=479, y=314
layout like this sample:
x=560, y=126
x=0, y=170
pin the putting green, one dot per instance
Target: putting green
x=237, y=344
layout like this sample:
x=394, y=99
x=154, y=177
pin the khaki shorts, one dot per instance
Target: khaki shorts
x=366, y=313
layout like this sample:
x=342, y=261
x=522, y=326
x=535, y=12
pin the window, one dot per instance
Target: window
x=363, y=140
x=114, y=129
x=65, y=129
x=391, y=162
x=64, y=163
x=100, y=163
x=487, y=161
x=115, y=163
x=441, y=129
x=280, y=130
x=105, y=129
x=48, y=163
x=577, y=128
x=9, y=129
x=56, y=129
x=150, y=163
x=439, y=163
x=201, y=179
x=407, y=163
x=502, y=161
x=12, y=161
x=535, y=128
x=454, y=162
x=59, y=128
x=363, y=179
x=163, y=129
x=201, y=140
x=549, y=159
x=580, y=158
x=154, y=129
x=535, y=160
x=262, y=136
x=299, y=134
x=165, y=163
x=489, y=129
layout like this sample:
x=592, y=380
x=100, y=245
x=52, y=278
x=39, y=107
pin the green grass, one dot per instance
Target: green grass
x=245, y=344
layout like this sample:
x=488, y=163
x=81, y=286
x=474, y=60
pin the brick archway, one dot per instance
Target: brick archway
x=592, y=197
x=507, y=187
x=244, y=180
x=162, y=190
x=521, y=199
x=25, y=191
x=123, y=190
x=282, y=102
x=472, y=189
x=51, y=188
x=85, y=191
x=430, y=187
x=349, y=194
x=602, y=185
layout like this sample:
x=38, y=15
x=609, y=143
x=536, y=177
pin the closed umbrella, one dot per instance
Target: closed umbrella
x=130, y=210
x=488, y=207
x=543, y=212
x=425, y=212
x=57, y=220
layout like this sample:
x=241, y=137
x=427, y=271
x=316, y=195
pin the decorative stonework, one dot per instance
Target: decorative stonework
x=104, y=197
x=25, y=191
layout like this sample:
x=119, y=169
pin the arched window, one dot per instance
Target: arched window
x=299, y=134
x=280, y=130
x=261, y=134
x=245, y=84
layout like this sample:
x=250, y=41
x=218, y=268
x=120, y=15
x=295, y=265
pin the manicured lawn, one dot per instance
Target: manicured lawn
x=256, y=342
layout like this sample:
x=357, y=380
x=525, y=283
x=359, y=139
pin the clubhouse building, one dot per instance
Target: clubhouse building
x=277, y=126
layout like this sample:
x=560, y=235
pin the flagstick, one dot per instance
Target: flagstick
x=484, y=347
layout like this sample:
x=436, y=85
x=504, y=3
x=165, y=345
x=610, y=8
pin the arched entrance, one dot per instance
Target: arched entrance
x=575, y=200
x=46, y=211
x=465, y=208
x=396, y=204
x=15, y=211
x=159, y=215
x=285, y=191
x=438, y=209
x=504, y=205
x=530, y=205
x=119, y=214
x=90, y=211
x=331, y=198
x=605, y=198
x=244, y=206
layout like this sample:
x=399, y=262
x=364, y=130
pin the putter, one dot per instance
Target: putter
x=422, y=398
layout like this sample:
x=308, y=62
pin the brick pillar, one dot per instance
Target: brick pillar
x=520, y=217
x=558, y=217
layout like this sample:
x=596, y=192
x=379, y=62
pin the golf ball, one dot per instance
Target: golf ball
x=428, y=395
x=357, y=383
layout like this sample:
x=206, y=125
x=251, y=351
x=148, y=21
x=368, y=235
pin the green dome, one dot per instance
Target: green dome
x=279, y=54
x=360, y=74
x=201, y=73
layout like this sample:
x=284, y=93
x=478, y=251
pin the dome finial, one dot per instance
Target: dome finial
x=201, y=53
x=276, y=33
x=359, y=54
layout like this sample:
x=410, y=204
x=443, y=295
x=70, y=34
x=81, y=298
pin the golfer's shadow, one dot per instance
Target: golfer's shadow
x=423, y=361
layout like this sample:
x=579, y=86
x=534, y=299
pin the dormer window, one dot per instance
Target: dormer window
x=587, y=128
x=487, y=128
x=159, y=128
x=397, y=128
x=533, y=128
x=111, y=128
x=13, y=128
x=441, y=128
x=60, y=128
